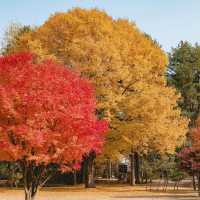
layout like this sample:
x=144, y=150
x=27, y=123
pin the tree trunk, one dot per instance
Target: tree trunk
x=194, y=182
x=109, y=166
x=30, y=186
x=83, y=171
x=198, y=183
x=90, y=171
x=75, y=177
x=137, y=167
x=29, y=195
x=34, y=177
x=132, y=175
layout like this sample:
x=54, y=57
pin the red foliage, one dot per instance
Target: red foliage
x=47, y=113
x=189, y=160
x=190, y=156
x=195, y=135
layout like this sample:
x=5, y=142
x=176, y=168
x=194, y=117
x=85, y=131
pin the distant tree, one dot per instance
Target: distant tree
x=184, y=74
x=161, y=166
x=47, y=117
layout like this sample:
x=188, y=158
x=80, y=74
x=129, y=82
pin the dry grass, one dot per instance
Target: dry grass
x=102, y=192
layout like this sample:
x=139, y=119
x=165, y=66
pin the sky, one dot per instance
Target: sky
x=167, y=21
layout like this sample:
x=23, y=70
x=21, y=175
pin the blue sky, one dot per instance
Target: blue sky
x=168, y=21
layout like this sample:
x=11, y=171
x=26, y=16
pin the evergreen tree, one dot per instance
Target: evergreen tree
x=184, y=74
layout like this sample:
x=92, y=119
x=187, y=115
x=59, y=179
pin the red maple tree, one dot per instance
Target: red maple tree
x=47, y=116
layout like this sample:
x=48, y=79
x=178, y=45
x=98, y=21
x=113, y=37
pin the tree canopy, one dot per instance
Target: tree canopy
x=114, y=54
x=47, y=113
x=127, y=68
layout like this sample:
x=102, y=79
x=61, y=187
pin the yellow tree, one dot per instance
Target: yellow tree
x=126, y=66
x=151, y=122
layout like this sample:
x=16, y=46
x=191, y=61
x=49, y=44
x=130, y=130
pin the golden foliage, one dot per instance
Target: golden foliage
x=127, y=68
x=105, y=50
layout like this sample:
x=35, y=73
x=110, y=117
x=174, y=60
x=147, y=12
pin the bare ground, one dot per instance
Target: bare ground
x=117, y=192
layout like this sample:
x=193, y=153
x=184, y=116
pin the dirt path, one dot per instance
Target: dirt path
x=101, y=193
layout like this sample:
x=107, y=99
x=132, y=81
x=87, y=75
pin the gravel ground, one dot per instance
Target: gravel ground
x=100, y=193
